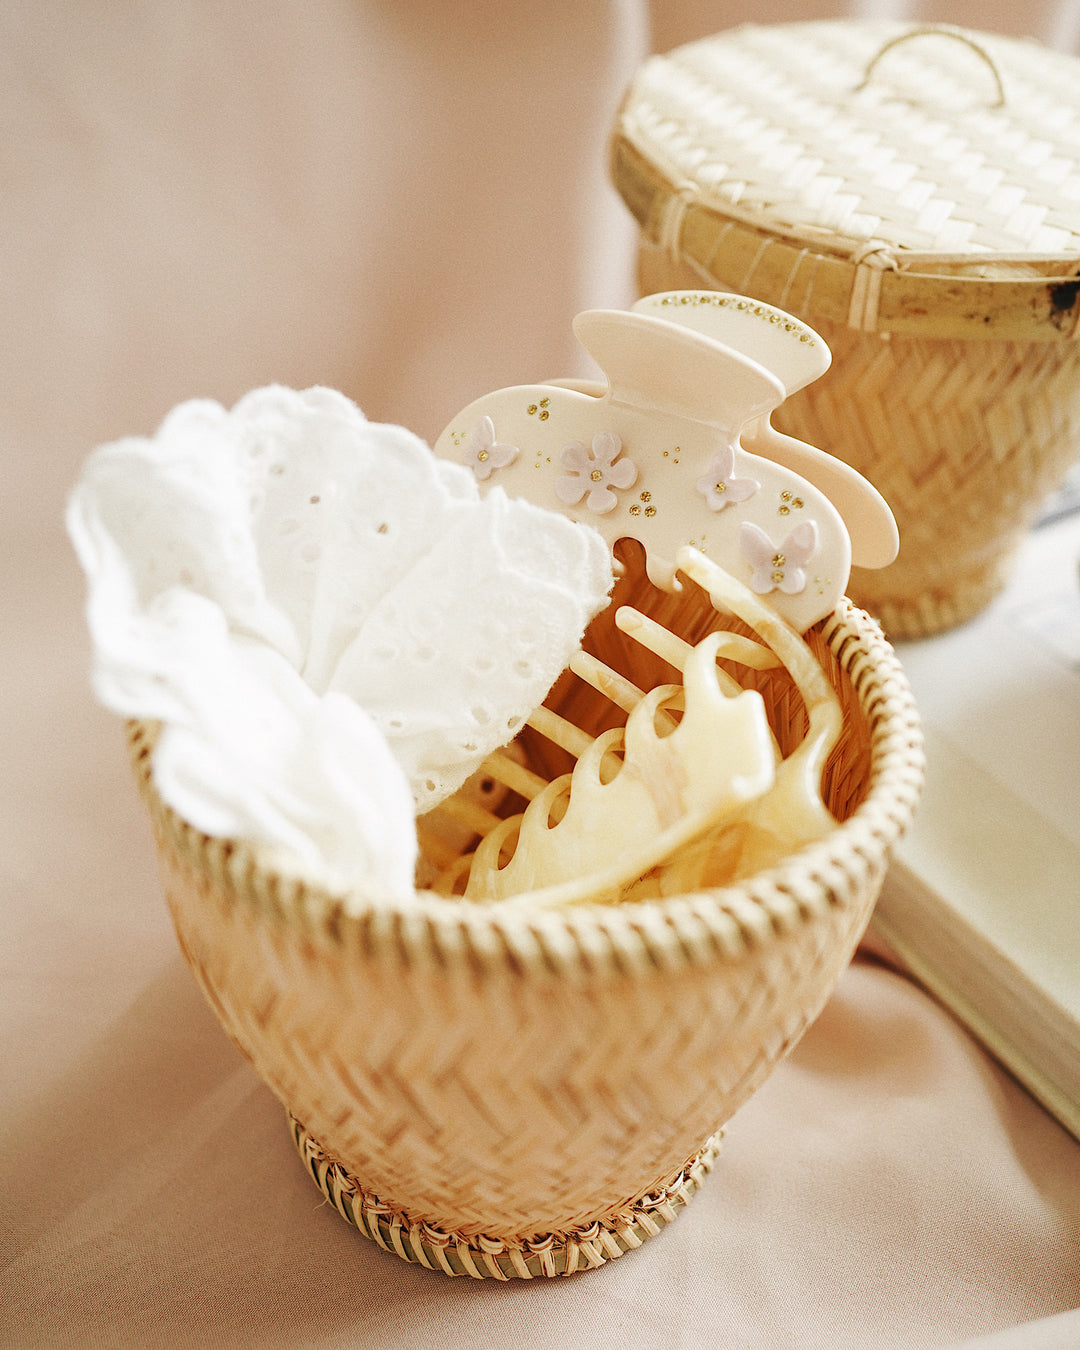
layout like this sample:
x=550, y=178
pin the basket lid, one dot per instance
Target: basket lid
x=895, y=177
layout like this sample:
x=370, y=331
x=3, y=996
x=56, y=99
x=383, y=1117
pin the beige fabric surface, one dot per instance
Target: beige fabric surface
x=406, y=201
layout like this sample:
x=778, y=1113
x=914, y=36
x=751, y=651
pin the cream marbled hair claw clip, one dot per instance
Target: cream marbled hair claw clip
x=689, y=788
x=676, y=448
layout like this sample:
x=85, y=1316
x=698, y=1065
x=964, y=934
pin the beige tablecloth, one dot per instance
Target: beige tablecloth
x=406, y=201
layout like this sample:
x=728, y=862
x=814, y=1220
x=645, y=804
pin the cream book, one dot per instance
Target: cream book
x=982, y=903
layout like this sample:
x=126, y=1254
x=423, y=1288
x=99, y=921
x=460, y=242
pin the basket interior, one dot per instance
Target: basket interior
x=449, y=835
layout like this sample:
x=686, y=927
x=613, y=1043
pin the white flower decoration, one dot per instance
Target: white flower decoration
x=720, y=487
x=483, y=453
x=593, y=472
x=778, y=567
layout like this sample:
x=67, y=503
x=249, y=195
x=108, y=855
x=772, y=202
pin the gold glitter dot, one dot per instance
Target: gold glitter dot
x=596, y=476
x=544, y=402
x=544, y=415
x=784, y=511
x=721, y=487
x=646, y=496
x=785, y=496
x=777, y=578
x=482, y=455
x=650, y=510
x=798, y=503
x=778, y=560
x=531, y=409
x=635, y=510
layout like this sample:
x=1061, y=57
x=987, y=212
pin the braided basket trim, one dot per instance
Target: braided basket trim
x=586, y=941
x=484, y=1258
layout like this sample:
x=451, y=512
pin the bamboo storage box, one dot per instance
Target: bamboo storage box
x=914, y=195
x=503, y=1091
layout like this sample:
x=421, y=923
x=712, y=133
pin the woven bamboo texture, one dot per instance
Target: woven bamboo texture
x=507, y=1091
x=927, y=224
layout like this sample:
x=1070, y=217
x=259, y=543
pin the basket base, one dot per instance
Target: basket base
x=485, y=1258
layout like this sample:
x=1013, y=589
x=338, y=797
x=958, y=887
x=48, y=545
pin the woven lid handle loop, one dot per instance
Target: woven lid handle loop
x=939, y=30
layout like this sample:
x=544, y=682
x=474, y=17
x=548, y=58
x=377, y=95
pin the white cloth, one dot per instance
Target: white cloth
x=330, y=623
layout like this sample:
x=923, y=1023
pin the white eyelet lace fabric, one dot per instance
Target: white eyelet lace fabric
x=331, y=624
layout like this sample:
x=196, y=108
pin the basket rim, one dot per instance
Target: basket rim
x=589, y=939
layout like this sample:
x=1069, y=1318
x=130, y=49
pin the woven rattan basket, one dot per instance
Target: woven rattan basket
x=501, y=1090
x=913, y=194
